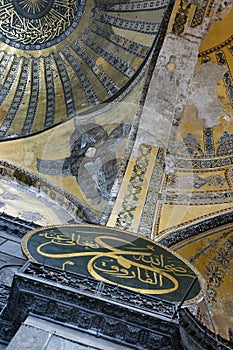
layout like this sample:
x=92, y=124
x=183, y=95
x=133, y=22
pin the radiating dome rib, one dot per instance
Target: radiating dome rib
x=34, y=95
x=59, y=58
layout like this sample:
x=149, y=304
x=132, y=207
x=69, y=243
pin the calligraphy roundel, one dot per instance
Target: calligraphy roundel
x=38, y=24
x=113, y=256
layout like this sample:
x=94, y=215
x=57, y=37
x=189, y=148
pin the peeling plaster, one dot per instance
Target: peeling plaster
x=202, y=93
x=168, y=90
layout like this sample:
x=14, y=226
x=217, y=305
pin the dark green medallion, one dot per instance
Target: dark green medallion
x=113, y=256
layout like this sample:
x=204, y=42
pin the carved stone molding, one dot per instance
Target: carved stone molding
x=85, y=304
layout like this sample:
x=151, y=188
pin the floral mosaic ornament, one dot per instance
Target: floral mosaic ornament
x=210, y=251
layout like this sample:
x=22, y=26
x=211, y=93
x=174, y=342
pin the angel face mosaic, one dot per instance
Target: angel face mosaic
x=113, y=256
x=38, y=24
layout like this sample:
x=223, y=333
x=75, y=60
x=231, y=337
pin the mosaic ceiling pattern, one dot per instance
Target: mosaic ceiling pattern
x=212, y=255
x=90, y=58
x=60, y=58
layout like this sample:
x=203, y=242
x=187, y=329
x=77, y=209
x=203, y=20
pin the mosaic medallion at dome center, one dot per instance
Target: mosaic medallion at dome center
x=37, y=24
x=32, y=8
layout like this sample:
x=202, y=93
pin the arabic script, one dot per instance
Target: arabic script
x=116, y=259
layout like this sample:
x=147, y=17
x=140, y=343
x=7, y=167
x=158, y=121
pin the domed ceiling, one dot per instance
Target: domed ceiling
x=63, y=57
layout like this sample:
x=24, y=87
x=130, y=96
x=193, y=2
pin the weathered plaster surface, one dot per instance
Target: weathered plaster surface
x=168, y=90
x=202, y=93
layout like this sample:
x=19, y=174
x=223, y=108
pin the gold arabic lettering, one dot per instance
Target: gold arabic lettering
x=121, y=259
x=36, y=30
